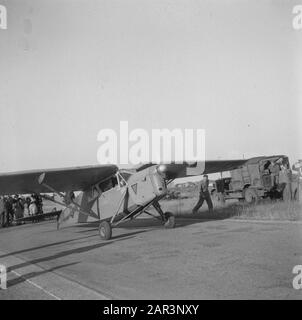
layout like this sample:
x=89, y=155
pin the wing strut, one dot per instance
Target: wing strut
x=67, y=198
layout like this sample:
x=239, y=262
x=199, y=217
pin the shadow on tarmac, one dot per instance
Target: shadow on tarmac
x=147, y=224
x=43, y=246
x=25, y=277
x=74, y=251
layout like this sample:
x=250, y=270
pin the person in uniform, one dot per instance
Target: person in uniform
x=204, y=194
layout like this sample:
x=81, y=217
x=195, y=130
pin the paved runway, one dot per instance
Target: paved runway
x=199, y=259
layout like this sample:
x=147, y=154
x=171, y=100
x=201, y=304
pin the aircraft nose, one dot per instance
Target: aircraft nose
x=162, y=169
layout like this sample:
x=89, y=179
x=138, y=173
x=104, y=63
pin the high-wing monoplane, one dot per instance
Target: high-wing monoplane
x=106, y=193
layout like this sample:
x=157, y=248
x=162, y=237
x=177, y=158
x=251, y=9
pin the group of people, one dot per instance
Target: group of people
x=17, y=207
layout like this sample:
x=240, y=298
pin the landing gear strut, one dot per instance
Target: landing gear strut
x=167, y=217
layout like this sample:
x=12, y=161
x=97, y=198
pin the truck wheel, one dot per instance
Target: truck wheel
x=170, y=220
x=251, y=196
x=105, y=230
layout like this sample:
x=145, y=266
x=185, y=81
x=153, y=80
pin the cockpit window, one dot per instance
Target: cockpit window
x=114, y=181
x=106, y=185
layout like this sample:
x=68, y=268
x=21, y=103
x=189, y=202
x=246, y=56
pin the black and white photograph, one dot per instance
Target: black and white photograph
x=150, y=150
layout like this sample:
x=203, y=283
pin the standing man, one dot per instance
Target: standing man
x=285, y=182
x=19, y=209
x=204, y=194
x=9, y=202
x=298, y=168
x=2, y=212
x=274, y=169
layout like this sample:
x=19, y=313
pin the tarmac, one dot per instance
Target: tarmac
x=199, y=259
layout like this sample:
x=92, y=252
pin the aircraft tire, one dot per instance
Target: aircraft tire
x=105, y=230
x=170, y=220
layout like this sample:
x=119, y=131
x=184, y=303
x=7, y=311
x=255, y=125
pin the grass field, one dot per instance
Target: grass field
x=264, y=210
x=276, y=210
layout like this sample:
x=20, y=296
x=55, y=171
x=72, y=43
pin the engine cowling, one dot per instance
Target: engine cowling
x=146, y=185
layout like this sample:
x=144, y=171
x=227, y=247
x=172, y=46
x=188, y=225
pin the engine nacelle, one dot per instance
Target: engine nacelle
x=145, y=185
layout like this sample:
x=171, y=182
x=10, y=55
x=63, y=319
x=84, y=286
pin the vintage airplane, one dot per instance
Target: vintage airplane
x=106, y=193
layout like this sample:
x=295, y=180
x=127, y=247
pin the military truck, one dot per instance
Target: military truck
x=256, y=179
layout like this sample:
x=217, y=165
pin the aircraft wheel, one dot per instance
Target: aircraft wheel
x=170, y=220
x=105, y=230
x=251, y=196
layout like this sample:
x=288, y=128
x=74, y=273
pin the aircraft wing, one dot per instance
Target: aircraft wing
x=174, y=170
x=62, y=180
x=214, y=166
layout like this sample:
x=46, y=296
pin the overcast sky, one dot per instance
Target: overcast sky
x=71, y=68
